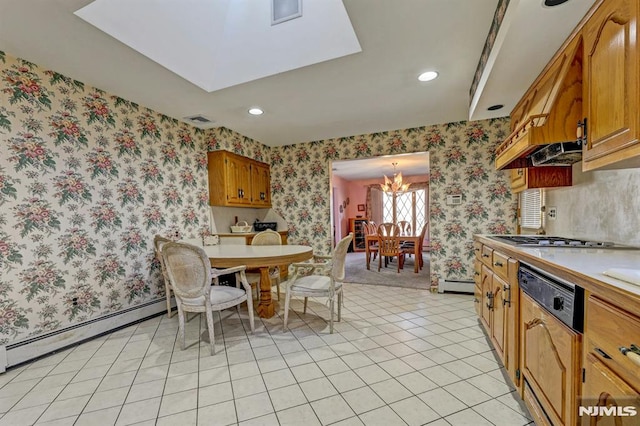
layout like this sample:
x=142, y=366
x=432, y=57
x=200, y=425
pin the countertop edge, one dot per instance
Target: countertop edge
x=612, y=288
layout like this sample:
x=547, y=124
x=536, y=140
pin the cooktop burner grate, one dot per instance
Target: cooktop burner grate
x=545, y=240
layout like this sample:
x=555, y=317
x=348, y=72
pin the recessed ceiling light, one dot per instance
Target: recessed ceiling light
x=427, y=76
x=256, y=111
x=495, y=107
x=551, y=3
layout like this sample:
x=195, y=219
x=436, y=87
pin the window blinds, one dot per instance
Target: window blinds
x=530, y=209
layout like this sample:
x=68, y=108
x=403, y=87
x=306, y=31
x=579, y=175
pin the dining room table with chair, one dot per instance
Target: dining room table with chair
x=260, y=257
x=409, y=242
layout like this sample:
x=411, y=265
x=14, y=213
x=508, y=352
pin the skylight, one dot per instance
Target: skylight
x=216, y=44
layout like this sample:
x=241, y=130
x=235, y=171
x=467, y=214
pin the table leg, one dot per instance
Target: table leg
x=416, y=260
x=368, y=254
x=265, y=305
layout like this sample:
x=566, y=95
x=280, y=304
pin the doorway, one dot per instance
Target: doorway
x=358, y=197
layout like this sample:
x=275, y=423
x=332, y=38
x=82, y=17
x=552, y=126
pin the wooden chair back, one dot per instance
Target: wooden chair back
x=405, y=227
x=389, y=244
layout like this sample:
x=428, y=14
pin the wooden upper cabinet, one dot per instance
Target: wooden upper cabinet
x=610, y=89
x=261, y=184
x=237, y=181
x=540, y=177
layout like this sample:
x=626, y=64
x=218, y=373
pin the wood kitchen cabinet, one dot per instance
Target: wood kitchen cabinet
x=610, y=85
x=237, y=181
x=260, y=184
x=604, y=388
x=540, y=177
x=611, y=377
x=550, y=363
x=496, y=292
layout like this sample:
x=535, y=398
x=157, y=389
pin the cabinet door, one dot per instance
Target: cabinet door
x=477, y=278
x=239, y=180
x=486, y=285
x=499, y=326
x=610, y=83
x=540, y=177
x=477, y=300
x=260, y=185
x=603, y=388
x=518, y=180
x=550, y=361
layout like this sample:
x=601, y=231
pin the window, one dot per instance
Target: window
x=409, y=206
x=531, y=202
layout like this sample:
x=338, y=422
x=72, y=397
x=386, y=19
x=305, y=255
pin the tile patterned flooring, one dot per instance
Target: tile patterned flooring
x=399, y=357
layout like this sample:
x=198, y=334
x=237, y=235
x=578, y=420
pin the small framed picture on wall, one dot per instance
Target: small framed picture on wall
x=360, y=207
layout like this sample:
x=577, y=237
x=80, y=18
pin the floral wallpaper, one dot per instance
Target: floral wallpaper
x=87, y=179
x=461, y=162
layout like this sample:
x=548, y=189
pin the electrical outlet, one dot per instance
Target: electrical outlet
x=552, y=213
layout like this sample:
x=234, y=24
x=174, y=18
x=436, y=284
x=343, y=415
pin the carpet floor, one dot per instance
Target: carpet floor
x=356, y=272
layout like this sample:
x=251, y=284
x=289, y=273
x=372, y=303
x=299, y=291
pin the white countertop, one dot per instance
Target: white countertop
x=589, y=262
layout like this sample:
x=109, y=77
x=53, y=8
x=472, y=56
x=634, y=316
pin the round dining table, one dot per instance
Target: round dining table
x=261, y=257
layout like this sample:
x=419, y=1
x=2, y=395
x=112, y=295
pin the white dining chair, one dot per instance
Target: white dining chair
x=266, y=238
x=191, y=277
x=323, y=280
x=158, y=242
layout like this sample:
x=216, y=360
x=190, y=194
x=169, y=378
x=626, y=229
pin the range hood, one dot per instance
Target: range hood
x=545, y=121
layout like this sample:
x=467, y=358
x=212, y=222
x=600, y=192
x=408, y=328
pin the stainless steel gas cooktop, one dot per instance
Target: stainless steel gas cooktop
x=549, y=241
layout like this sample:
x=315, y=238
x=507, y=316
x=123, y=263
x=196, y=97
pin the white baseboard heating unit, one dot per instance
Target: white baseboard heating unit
x=34, y=347
x=459, y=286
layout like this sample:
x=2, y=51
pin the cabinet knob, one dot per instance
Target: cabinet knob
x=498, y=263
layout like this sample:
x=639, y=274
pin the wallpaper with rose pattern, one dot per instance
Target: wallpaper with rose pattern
x=87, y=179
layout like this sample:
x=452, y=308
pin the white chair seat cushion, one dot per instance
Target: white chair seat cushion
x=255, y=277
x=220, y=295
x=312, y=283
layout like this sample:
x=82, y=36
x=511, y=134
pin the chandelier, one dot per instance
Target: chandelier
x=395, y=185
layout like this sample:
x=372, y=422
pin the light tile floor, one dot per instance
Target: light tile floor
x=399, y=356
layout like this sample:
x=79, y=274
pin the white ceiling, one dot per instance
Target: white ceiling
x=374, y=90
x=376, y=167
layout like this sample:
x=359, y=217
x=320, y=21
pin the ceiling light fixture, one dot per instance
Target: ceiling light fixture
x=552, y=3
x=428, y=76
x=256, y=111
x=394, y=186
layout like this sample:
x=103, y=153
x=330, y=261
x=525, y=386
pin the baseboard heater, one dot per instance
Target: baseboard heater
x=35, y=347
x=459, y=286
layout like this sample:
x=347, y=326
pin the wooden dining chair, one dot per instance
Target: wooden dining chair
x=405, y=227
x=409, y=246
x=389, y=244
x=371, y=241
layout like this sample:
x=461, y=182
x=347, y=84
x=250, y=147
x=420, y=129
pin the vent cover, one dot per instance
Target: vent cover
x=200, y=121
x=285, y=10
